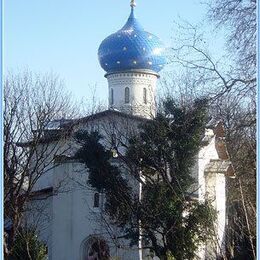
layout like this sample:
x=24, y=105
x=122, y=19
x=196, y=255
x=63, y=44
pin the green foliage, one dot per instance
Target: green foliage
x=27, y=246
x=171, y=141
x=163, y=154
x=103, y=176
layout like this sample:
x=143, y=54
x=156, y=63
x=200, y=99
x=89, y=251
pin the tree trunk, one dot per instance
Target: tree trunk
x=246, y=217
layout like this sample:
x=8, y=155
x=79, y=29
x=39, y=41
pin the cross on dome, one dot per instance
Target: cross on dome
x=133, y=3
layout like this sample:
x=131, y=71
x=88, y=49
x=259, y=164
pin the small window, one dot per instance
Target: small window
x=96, y=200
x=127, y=95
x=145, y=95
x=111, y=96
x=113, y=140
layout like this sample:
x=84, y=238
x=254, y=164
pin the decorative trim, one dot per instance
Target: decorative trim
x=149, y=72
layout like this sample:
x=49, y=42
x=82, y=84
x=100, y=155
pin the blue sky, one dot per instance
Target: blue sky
x=63, y=36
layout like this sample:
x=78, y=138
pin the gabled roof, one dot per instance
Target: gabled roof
x=108, y=112
x=67, y=126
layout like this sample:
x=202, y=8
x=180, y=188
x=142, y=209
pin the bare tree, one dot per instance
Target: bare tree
x=32, y=137
x=239, y=122
x=239, y=18
x=230, y=82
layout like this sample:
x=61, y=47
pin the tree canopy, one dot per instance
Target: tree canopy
x=157, y=206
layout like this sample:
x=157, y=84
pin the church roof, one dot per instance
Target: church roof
x=109, y=112
x=131, y=48
x=65, y=127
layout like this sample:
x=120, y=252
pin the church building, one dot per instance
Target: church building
x=69, y=214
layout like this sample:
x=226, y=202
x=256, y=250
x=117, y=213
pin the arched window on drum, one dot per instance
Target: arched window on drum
x=111, y=96
x=96, y=200
x=127, y=95
x=145, y=95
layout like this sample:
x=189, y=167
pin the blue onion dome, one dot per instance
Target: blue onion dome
x=131, y=48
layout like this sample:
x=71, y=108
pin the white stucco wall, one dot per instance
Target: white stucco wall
x=206, y=153
x=211, y=186
x=72, y=218
x=136, y=82
x=216, y=192
x=39, y=215
x=44, y=161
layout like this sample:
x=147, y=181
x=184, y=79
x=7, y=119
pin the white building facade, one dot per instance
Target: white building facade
x=68, y=213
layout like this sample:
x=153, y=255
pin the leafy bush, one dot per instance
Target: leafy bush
x=27, y=246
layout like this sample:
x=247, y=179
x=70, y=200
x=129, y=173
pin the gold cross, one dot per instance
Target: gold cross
x=133, y=3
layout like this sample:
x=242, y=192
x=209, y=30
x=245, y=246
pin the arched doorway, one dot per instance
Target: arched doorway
x=94, y=248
